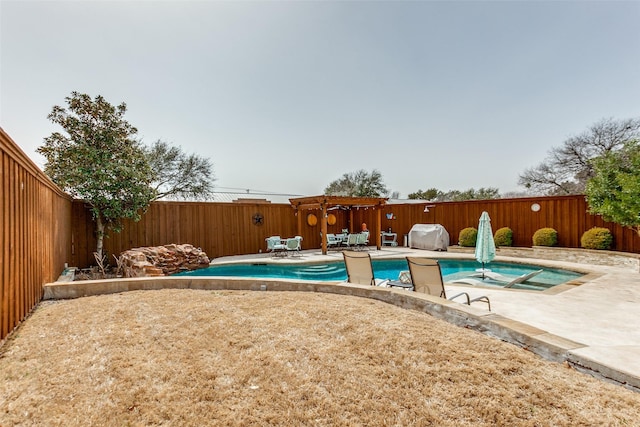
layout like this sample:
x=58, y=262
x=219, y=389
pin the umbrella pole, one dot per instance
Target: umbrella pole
x=483, y=271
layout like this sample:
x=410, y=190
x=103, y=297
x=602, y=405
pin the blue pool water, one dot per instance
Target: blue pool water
x=386, y=269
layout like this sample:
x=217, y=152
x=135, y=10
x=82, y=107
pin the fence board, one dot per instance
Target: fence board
x=35, y=231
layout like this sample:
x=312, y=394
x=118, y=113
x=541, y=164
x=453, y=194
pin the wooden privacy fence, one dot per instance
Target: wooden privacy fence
x=566, y=214
x=222, y=229
x=35, y=232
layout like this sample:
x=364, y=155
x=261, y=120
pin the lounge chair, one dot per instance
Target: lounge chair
x=404, y=281
x=426, y=277
x=360, y=269
x=508, y=281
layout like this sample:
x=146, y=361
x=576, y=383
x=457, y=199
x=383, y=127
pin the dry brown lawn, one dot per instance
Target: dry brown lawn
x=194, y=358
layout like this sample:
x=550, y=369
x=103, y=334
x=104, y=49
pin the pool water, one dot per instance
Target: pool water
x=387, y=269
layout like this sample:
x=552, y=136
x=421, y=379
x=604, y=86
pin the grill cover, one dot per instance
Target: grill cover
x=433, y=237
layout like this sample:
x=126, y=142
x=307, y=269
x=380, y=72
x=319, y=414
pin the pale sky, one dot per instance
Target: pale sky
x=287, y=96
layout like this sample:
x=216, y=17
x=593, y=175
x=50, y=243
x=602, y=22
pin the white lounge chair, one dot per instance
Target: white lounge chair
x=404, y=281
x=508, y=281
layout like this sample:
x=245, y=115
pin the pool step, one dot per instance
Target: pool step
x=321, y=271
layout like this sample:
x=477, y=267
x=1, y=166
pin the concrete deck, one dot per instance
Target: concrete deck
x=593, y=326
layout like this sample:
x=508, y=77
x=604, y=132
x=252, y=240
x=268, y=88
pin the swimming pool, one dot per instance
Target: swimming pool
x=386, y=269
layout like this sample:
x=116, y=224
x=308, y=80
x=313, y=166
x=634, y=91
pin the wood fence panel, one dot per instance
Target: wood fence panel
x=220, y=229
x=35, y=230
x=223, y=229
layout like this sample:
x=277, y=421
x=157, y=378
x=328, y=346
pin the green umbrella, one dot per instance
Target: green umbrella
x=485, y=246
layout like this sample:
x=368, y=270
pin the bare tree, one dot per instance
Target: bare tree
x=178, y=175
x=567, y=169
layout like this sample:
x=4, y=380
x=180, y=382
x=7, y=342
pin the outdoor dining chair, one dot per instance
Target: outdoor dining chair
x=293, y=245
x=333, y=241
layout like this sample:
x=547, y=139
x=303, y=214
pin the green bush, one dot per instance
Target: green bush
x=545, y=237
x=597, y=238
x=468, y=237
x=503, y=237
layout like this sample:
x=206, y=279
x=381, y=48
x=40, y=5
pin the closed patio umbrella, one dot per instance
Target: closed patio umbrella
x=485, y=246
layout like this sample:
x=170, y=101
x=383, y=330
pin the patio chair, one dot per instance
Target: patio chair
x=279, y=248
x=508, y=281
x=352, y=240
x=362, y=240
x=426, y=277
x=271, y=241
x=360, y=269
x=333, y=241
x=293, y=245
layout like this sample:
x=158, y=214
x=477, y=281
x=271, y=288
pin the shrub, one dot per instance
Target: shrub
x=503, y=237
x=545, y=237
x=468, y=237
x=597, y=238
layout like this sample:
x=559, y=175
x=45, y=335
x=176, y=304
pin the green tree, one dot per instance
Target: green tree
x=435, y=195
x=177, y=175
x=567, y=169
x=358, y=184
x=481, y=193
x=98, y=161
x=430, y=194
x=614, y=190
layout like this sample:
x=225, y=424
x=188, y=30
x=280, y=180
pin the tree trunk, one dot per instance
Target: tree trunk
x=99, y=236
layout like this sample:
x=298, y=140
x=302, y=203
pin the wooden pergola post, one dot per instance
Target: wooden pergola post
x=350, y=220
x=378, y=227
x=299, y=214
x=323, y=228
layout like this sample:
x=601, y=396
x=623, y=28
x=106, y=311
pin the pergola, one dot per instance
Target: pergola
x=325, y=202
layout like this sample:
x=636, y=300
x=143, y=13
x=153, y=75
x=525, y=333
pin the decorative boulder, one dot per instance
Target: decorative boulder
x=163, y=260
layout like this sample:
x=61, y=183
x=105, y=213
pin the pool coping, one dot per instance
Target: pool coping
x=589, y=272
x=547, y=345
